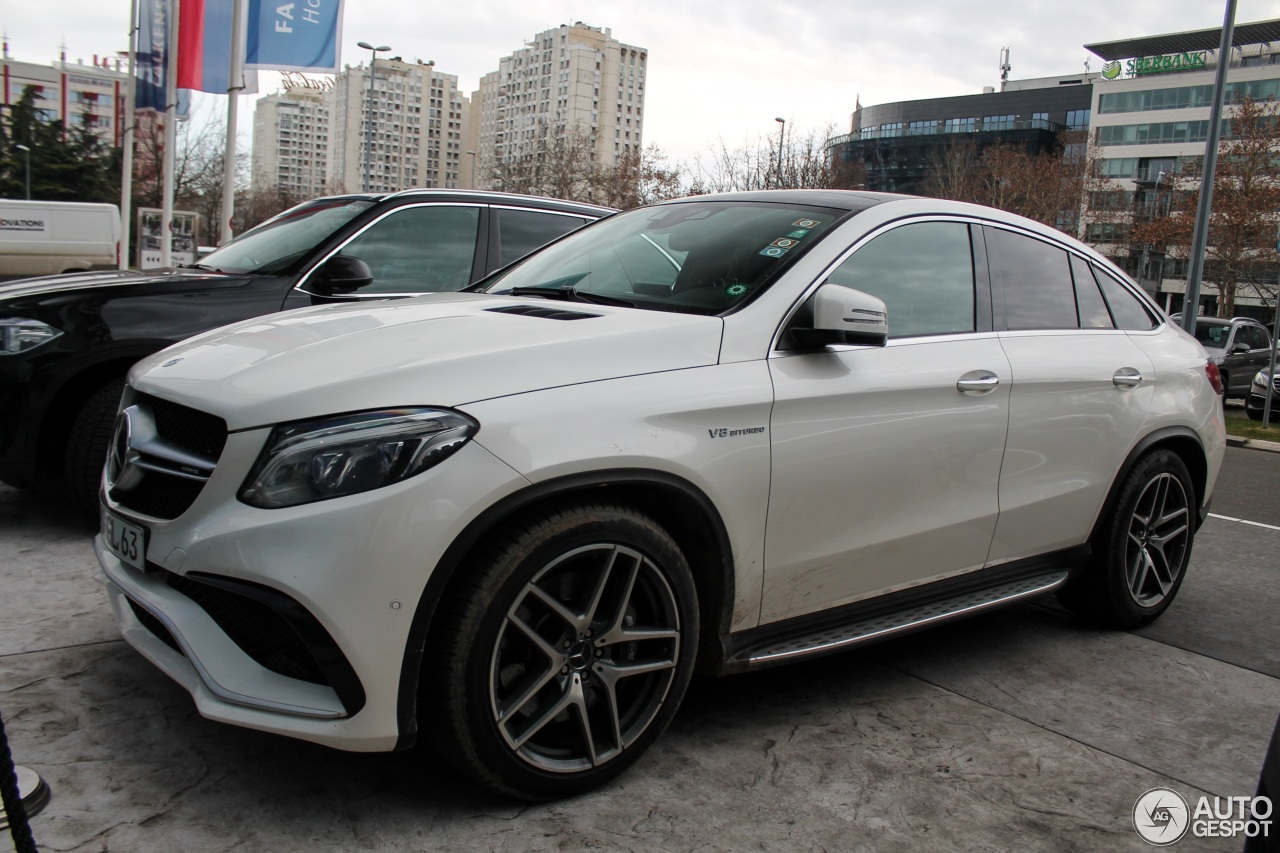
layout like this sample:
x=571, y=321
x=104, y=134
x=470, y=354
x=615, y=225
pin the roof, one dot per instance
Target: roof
x=1260, y=32
x=836, y=199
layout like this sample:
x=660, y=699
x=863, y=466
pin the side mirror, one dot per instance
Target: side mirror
x=1240, y=347
x=842, y=315
x=340, y=275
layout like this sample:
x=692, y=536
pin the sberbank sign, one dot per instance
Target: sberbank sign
x=1163, y=64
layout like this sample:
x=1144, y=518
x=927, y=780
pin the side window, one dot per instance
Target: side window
x=522, y=231
x=924, y=274
x=1253, y=336
x=1129, y=312
x=1089, y=302
x=1036, y=280
x=419, y=249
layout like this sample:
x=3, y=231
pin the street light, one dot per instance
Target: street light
x=782, y=138
x=27, y=151
x=368, y=151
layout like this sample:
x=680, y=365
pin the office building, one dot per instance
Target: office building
x=898, y=144
x=1150, y=123
x=77, y=93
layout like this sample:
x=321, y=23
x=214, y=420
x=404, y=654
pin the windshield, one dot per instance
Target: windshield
x=693, y=257
x=276, y=244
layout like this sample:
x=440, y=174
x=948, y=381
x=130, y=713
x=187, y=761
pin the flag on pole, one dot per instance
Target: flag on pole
x=152, y=55
x=204, y=49
x=294, y=35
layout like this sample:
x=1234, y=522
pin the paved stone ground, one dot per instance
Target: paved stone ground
x=1021, y=730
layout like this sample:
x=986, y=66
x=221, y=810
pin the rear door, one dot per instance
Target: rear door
x=1080, y=392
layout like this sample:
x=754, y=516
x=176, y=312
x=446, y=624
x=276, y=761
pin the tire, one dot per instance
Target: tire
x=1254, y=415
x=87, y=447
x=563, y=652
x=1141, y=551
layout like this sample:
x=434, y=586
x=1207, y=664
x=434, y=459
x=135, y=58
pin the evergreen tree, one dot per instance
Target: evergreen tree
x=67, y=164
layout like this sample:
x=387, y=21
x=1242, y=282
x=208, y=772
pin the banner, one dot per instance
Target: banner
x=152, y=55
x=204, y=48
x=294, y=35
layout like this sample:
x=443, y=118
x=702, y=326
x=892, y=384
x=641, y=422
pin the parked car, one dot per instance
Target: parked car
x=723, y=433
x=67, y=342
x=1239, y=346
x=1255, y=404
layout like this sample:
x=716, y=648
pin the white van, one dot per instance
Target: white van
x=49, y=237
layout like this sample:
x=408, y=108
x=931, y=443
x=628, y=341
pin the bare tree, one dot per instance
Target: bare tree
x=802, y=160
x=638, y=177
x=1048, y=186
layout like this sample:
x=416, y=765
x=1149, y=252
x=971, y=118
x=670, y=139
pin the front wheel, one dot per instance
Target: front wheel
x=86, y=451
x=1141, y=552
x=564, y=652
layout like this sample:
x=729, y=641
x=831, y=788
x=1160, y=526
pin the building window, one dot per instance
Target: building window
x=1077, y=119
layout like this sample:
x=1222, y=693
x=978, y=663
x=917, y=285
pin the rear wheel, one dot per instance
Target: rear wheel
x=87, y=444
x=1140, y=554
x=565, y=651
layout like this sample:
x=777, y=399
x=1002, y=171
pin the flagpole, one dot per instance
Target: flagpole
x=170, y=136
x=235, y=84
x=129, y=115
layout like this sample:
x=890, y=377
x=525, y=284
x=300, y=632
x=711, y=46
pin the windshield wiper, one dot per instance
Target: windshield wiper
x=568, y=294
x=204, y=267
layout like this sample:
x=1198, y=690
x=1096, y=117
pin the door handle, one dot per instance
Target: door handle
x=1127, y=377
x=977, y=382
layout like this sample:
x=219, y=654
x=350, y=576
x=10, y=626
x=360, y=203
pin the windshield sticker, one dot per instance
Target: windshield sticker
x=784, y=243
x=774, y=251
x=798, y=233
x=806, y=223
x=737, y=289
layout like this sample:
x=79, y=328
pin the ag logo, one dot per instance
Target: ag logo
x=1161, y=816
x=1111, y=70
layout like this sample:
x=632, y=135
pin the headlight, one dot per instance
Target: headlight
x=1260, y=378
x=316, y=460
x=18, y=334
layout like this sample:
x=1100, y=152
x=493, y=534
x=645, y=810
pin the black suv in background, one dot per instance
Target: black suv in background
x=1239, y=346
x=67, y=341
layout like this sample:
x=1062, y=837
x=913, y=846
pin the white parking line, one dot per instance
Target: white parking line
x=1243, y=521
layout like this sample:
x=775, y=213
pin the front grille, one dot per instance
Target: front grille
x=154, y=625
x=163, y=495
x=195, y=430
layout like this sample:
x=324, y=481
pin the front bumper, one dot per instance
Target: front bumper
x=356, y=566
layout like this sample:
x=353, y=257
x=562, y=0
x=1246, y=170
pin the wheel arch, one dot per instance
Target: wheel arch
x=1184, y=442
x=679, y=506
x=59, y=414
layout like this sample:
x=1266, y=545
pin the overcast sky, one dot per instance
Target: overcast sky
x=719, y=70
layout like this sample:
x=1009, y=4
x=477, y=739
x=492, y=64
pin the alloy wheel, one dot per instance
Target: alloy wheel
x=584, y=658
x=1159, y=534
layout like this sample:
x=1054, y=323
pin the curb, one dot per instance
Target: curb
x=1253, y=443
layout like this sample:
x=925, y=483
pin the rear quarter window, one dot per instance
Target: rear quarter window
x=1127, y=310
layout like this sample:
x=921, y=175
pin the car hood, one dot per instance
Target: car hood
x=438, y=350
x=168, y=278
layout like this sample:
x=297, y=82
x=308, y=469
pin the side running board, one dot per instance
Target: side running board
x=878, y=619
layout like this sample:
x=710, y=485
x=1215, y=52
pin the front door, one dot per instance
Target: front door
x=886, y=461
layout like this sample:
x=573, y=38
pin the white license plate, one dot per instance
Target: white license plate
x=127, y=541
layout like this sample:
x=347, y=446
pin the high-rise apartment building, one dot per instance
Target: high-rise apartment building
x=291, y=131
x=316, y=137
x=566, y=83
